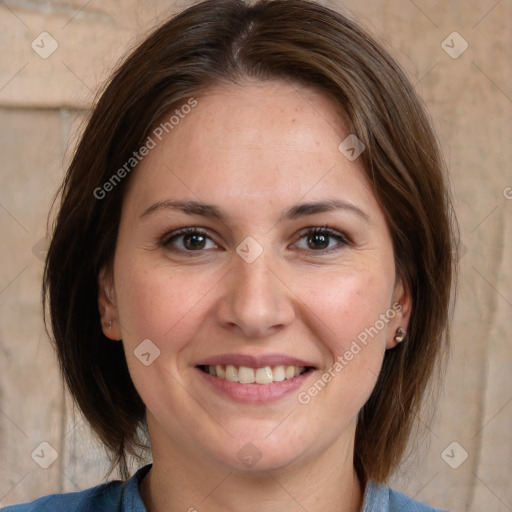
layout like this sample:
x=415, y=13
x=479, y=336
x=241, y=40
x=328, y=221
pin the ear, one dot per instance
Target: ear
x=107, y=306
x=402, y=305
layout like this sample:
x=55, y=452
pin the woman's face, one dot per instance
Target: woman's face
x=251, y=248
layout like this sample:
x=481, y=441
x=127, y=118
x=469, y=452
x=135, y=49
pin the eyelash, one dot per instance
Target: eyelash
x=342, y=240
x=169, y=238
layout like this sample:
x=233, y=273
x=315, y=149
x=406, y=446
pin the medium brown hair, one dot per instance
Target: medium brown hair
x=227, y=41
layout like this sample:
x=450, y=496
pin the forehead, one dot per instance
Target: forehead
x=268, y=141
x=266, y=117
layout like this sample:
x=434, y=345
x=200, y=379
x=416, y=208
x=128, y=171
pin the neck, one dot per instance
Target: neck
x=327, y=482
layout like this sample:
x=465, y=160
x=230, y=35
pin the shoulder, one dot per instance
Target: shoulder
x=379, y=498
x=96, y=498
x=101, y=499
x=116, y=496
x=398, y=501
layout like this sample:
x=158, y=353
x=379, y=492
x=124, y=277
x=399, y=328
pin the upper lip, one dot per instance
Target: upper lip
x=253, y=361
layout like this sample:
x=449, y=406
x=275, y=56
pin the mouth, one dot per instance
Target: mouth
x=253, y=378
x=264, y=375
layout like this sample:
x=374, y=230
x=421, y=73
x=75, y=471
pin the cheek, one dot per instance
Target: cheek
x=348, y=314
x=355, y=306
x=348, y=310
x=155, y=305
x=153, y=302
x=349, y=303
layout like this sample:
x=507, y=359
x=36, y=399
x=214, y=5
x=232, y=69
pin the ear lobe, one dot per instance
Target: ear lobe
x=402, y=305
x=107, y=306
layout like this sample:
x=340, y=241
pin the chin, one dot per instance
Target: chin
x=259, y=452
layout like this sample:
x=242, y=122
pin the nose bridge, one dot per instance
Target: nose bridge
x=256, y=301
x=254, y=280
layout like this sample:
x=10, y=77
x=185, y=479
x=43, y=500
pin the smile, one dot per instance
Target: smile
x=247, y=375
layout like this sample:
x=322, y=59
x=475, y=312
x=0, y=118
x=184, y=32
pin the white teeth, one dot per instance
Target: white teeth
x=220, y=371
x=278, y=373
x=289, y=372
x=231, y=373
x=264, y=375
x=246, y=375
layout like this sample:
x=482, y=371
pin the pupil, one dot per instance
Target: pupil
x=194, y=241
x=319, y=241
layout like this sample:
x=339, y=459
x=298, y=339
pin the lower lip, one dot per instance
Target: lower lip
x=255, y=393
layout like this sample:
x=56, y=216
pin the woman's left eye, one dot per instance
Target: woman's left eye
x=321, y=239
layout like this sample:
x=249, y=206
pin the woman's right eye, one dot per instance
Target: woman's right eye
x=189, y=240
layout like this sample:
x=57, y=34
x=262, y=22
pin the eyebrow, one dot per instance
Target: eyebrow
x=300, y=210
x=190, y=207
x=330, y=205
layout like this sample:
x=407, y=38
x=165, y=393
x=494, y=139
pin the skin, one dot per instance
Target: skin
x=254, y=151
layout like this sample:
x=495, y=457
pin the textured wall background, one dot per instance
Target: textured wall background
x=44, y=98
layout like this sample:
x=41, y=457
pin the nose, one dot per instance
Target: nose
x=256, y=301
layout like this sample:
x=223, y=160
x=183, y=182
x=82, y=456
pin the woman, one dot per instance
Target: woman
x=251, y=266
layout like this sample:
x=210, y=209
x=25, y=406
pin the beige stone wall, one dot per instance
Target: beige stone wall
x=44, y=100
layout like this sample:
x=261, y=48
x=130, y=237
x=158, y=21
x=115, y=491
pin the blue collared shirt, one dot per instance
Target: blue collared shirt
x=121, y=496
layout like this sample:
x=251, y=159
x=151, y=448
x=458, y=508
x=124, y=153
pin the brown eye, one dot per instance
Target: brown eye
x=194, y=242
x=318, y=241
x=322, y=240
x=188, y=240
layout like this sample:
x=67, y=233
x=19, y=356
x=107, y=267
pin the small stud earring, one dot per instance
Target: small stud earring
x=400, y=335
x=109, y=324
